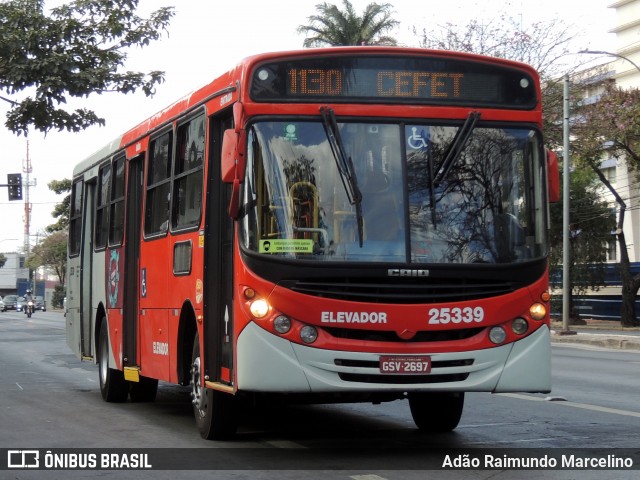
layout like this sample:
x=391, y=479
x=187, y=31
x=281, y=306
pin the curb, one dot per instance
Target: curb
x=621, y=342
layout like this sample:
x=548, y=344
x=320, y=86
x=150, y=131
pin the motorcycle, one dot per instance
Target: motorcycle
x=28, y=308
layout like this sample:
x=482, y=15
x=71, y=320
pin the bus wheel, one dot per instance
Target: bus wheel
x=215, y=412
x=113, y=386
x=436, y=411
x=145, y=390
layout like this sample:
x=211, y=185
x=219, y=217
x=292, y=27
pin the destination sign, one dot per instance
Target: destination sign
x=385, y=79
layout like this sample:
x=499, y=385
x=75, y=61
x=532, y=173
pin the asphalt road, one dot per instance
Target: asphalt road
x=49, y=401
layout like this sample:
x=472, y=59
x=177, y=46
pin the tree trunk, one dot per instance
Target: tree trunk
x=629, y=284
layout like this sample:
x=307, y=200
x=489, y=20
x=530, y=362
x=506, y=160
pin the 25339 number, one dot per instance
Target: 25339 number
x=444, y=315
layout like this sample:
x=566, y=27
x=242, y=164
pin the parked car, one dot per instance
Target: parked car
x=1, y=305
x=20, y=304
x=38, y=303
x=10, y=302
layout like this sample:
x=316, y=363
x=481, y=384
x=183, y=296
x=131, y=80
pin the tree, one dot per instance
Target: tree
x=591, y=224
x=612, y=125
x=334, y=27
x=543, y=45
x=546, y=47
x=61, y=210
x=3, y=260
x=51, y=253
x=75, y=50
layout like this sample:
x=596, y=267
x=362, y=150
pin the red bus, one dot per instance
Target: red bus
x=329, y=225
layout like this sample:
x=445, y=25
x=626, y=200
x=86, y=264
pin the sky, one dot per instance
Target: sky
x=205, y=39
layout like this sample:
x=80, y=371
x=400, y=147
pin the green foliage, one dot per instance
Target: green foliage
x=612, y=126
x=334, y=27
x=51, y=253
x=57, y=299
x=591, y=225
x=61, y=210
x=3, y=260
x=75, y=50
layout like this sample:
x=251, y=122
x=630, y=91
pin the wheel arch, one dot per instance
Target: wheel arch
x=101, y=316
x=187, y=328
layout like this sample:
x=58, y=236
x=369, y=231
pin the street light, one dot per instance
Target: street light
x=611, y=54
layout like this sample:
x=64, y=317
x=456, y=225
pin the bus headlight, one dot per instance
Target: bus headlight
x=282, y=324
x=497, y=335
x=308, y=334
x=519, y=326
x=259, y=308
x=537, y=311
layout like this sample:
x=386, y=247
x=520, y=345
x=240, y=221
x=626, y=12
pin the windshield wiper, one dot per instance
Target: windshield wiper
x=450, y=158
x=344, y=164
x=456, y=146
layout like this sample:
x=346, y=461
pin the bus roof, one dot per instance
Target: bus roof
x=236, y=77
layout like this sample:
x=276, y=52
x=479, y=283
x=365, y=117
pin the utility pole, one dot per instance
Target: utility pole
x=27, y=169
x=28, y=183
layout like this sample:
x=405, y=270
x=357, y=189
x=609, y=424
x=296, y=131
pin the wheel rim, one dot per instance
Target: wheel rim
x=104, y=363
x=198, y=396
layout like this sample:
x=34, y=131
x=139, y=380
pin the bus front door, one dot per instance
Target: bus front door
x=218, y=279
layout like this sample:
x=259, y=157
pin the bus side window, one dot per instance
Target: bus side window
x=102, y=207
x=75, y=218
x=187, y=184
x=158, y=185
x=116, y=210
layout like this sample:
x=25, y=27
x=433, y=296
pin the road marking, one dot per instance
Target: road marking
x=367, y=477
x=584, y=406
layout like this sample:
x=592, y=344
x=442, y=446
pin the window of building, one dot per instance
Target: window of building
x=611, y=251
x=610, y=174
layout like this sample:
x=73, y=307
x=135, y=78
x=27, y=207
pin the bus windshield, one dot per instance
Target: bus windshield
x=417, y=202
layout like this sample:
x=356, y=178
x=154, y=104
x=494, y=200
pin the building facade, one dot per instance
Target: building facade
x=13, y=273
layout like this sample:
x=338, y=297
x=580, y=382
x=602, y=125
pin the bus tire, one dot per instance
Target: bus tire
x=145, y=390
x=113, y=386
x=215, y=411
x=436, y=411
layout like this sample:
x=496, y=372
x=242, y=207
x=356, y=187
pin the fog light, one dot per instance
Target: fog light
x=519, y=326
x=537, y=311
x=308, y=334
x=497, y=335
x=259, y=308
x=282, y=324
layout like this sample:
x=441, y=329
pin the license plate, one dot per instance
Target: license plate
x=405, y=365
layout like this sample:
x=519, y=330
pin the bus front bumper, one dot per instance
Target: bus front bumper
x=267, y=363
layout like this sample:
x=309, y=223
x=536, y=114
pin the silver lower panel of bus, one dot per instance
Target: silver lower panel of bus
x=267, y=363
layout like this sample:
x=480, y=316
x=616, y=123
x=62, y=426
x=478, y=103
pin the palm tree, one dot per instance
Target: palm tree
x=334, y=27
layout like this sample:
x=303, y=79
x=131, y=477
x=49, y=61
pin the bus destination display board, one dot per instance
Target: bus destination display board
x=369, y=79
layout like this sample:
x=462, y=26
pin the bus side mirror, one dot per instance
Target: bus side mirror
x=553, y=176
x=232, y=164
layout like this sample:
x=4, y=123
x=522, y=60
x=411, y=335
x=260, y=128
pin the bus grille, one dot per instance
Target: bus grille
x=405, y=291
x=403, y=379
x=390, y=336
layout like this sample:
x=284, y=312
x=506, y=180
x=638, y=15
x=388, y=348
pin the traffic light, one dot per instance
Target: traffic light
x=14, y=184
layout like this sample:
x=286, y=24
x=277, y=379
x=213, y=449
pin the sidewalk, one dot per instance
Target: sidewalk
x=598, y=333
